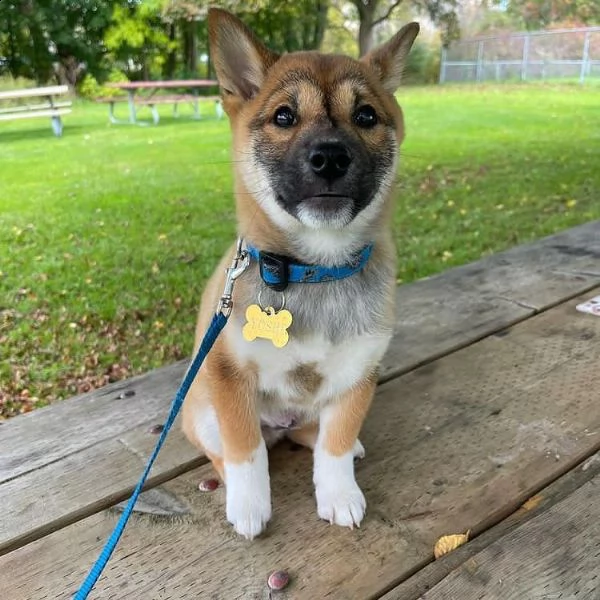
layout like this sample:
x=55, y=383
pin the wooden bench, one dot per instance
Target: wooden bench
x=487, y=419
x=20, y=106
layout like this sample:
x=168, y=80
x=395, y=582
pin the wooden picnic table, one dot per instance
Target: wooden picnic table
x=34, y=103
x=487, y=420
x=153, y=98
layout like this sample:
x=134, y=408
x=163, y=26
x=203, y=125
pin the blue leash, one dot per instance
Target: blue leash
x=218, y=322
x=241, y=260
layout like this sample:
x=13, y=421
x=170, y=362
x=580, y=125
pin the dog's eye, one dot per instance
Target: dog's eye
x=365, y=116
x=284, y=117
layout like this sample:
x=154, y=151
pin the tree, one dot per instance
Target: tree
x=138, y=37
x=374, y=12
x=538, y=14
x=185, y=17
x=285, y=26
x=54, y=37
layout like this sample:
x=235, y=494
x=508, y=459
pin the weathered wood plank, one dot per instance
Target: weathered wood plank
x=68, y=492
x=555, y=555
x=467, y=303
x=91, y=479
x=50, y=434
x=434, y=317
x=457, y=444
x=436, y=570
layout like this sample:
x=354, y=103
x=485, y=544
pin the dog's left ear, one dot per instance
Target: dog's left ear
x=240, y=58
x=388, y=60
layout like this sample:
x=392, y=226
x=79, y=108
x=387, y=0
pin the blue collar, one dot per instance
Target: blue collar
x=277, y=271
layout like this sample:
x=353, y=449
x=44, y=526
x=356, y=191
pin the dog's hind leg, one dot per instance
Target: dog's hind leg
x=307, y=436
x=200, y=425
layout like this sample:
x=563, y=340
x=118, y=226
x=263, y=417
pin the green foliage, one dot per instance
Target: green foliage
x=42, y=33
x=108, y=235
x=8, y=83
x=539, y=14
x=138, y=36
x=286, y=26
x=423, y=64
x=340, y=36
x=90, y=89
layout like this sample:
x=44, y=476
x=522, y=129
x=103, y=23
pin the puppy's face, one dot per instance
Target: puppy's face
x=315, y=135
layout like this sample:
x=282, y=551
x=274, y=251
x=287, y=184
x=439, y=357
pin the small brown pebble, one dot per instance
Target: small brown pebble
x=156, y=428
x=208, y=485
x=278, y=580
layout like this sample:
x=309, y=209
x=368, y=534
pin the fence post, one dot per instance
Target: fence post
x=479, y=60
x=525, y=59
x=585, y=57
x=443, y=65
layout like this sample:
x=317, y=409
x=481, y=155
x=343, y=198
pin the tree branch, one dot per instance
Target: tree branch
x=390, y=10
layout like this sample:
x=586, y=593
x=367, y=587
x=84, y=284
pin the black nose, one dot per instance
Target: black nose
x=330, y=160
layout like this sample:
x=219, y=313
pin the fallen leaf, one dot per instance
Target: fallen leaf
x=447, y=543
x=533, y=502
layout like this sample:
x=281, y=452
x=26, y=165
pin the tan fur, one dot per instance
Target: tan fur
x=235, y=385
x=305, y=378
x=350, y=412
x=234, y=390
x=305, y=436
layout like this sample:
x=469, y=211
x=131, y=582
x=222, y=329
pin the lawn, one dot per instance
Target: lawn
x=108, y=234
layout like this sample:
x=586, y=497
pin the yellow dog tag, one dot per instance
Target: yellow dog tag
x=267, y=324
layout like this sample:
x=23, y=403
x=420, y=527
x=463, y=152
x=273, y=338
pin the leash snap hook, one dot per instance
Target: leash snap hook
x=239, y=264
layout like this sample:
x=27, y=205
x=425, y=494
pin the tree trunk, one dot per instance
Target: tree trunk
x=365, y=33
x=320, y=25
x=171, y=62
x=41, y=62
x=190, y=48
x=13, y=61
x=68, y=70
x=366, y=13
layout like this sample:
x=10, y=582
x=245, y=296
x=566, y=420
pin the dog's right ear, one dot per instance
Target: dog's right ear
x=239, y=57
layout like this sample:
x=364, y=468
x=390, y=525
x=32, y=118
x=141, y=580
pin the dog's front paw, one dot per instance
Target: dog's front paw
x=249, y=514
x=248, y=493
x=343, y=505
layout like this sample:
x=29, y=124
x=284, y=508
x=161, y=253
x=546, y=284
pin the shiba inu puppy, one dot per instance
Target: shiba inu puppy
x=315, y=150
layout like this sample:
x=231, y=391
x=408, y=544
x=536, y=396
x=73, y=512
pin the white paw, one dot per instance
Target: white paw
x=344, y=505
x=248, y=493
x=249, y=514
x=359, y=450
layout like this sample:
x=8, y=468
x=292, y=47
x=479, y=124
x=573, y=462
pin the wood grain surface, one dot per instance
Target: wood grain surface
x=458, y=444
x=86, y=453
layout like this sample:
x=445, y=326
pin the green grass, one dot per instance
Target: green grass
x=108, y=234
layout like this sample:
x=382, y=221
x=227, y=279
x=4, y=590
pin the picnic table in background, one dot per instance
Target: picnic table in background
x=135, y=99
x=36, y=102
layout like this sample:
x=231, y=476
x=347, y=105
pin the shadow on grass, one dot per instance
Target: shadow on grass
x=181, y=120
x=40, y=133
x=44, y=131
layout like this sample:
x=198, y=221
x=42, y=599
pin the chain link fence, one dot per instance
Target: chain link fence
x=562, y=54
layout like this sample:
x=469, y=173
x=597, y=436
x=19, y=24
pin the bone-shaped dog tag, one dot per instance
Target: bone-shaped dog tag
x=267, y=324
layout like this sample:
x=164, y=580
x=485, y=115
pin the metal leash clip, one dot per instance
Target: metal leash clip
x=239, y=264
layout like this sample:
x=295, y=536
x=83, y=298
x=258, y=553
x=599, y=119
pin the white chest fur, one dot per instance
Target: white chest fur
x=339, y=366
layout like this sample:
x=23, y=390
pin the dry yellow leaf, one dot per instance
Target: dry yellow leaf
x=533, y=502
x=447, y=543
